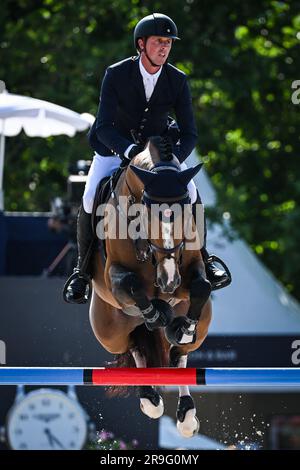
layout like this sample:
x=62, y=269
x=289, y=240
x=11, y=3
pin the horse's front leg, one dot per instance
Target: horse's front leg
x=187, y=421
x=151, y=402
x=182, y=330
x=128, y=289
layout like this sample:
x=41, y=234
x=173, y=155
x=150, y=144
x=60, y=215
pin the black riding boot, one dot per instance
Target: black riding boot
x=78, y=287
x=217, y=277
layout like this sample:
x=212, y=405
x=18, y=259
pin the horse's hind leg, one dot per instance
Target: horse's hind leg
x=151, y=402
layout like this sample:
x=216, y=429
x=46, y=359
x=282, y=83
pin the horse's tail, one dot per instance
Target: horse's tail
x=151, y=345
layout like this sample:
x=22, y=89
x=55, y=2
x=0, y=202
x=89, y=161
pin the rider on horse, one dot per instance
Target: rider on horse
x=136, y=98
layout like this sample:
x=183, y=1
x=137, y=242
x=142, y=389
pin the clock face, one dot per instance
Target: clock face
x=46, y=420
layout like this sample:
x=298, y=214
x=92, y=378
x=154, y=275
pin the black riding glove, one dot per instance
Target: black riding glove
x=135, y=150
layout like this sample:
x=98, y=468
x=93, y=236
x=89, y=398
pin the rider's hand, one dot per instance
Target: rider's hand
x=135, y=150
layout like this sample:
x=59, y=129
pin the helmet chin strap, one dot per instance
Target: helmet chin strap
x=146, y=54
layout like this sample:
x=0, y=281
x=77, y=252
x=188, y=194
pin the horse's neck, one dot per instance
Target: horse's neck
x=147, y=158
x=130, y=185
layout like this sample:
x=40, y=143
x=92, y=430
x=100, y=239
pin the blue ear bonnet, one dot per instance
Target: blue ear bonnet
x=166, y=183
x=166, y=187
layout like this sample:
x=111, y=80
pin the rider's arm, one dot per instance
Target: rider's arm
x=186, y=123
x=106, y=117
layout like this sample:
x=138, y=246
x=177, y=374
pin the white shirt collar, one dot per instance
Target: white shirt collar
x=146, y=75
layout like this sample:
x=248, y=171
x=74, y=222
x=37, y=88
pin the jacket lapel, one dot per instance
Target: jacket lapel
x=161, y=88
x=137, y=80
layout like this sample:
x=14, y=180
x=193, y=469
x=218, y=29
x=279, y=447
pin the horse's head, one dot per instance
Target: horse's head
x=166, y=199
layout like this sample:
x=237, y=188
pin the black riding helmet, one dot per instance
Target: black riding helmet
x=155, y=24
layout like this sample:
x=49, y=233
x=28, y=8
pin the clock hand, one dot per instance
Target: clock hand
x=49, y=435
x=54, y=438
x=58, y=442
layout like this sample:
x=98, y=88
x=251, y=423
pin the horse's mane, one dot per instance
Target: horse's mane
x=158, y=149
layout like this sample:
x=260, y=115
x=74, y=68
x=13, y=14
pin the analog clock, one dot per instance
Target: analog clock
x=46, y=419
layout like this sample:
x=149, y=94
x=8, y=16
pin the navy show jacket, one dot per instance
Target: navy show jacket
x=123, y=108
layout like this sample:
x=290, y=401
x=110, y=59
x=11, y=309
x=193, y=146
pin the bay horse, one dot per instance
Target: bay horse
x=151, y=301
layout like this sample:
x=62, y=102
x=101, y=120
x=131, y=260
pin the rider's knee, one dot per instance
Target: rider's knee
x=191, y=186
x=88, y=202
x=192, y=191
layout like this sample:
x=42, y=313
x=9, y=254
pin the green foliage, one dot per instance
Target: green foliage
x=242, y=58
x=248, y=126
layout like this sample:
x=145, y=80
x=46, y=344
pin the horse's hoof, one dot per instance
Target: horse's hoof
x=190, y=426
x=165, y=317
x=149, y=409
x=181, y=331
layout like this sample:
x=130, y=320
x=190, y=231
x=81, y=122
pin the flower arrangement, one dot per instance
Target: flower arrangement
x=107, y=441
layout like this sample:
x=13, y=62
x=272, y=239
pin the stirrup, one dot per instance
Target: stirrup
x=73, y=276
x=225, y=282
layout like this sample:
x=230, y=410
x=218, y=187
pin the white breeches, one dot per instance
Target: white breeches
x=105, y=166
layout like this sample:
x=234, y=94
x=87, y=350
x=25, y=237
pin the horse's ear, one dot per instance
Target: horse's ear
x=145, y=176
x=185, y=176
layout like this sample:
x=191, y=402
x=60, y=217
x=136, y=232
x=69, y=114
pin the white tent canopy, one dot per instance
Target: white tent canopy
x=37, y=118
x=255, y=303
